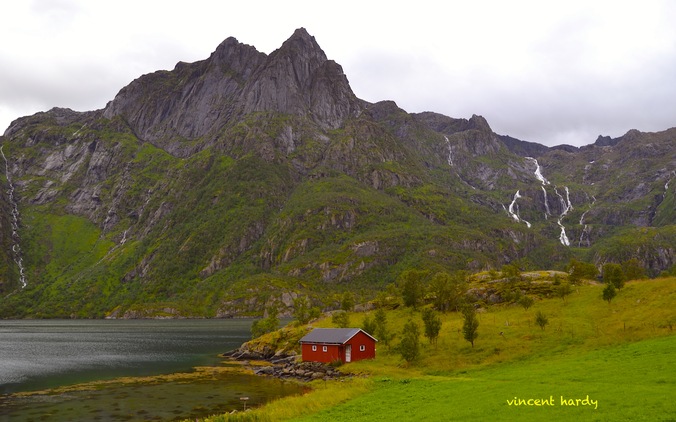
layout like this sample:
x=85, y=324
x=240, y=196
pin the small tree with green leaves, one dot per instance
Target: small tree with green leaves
x=511, y=272
x=578, y=270
x=448, y=290
x=526, y=302
x=541, y=319
x=369, y=325
x=613, y=274
x=564, y=290
x=267, y=324
x=470, y=325
x=412, y=287
x=432, y=322
x=609, y=293
x=301, y=310
x=315, y=312
x=409, y=347
x=341, y=319
x=382, y=332
x=347, y=302
x=633, y=270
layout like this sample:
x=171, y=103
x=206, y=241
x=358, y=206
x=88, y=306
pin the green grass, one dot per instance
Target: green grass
x=625, y=382
x=618, y=355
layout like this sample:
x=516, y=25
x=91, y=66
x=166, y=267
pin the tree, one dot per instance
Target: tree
x=315, y=312
x=578, y=270
x=613, y=274
x=448, y=290
x=541, y=319
x=633, y=270
x=412, y=288
x=432, y=322
x=563, y=290
x=341, y=319
x=511, y=272
x=347, y=302
x=301, y=310
x=440, y=287
x=526, y=302
x=410, y=342
x=470, y=325
x=267, y=324
x=369, y=325
x=609, y=293
x=382, y=332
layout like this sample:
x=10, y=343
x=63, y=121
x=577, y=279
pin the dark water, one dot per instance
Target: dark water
x=36, y=355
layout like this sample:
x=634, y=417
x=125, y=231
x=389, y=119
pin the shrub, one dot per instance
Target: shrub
x=541, y=319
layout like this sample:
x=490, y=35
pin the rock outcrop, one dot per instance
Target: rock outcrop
x=193, y=100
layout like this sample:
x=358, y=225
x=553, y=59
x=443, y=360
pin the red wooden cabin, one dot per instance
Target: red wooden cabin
x=338, y=344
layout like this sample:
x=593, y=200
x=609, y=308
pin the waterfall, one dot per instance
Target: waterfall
x=16, y=247
x=567, y=206
x=513, y=214
x=585, y=230
x=450, y=152
x=545, y=182
x=538, y=173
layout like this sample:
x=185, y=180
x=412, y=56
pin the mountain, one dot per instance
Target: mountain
x=229, y=184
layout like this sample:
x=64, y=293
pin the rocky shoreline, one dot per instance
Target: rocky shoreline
x=284, y=366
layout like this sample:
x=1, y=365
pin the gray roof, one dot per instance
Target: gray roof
x=332, y=335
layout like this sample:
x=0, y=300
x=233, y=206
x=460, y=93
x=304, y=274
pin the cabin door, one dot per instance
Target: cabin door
x=348, y=353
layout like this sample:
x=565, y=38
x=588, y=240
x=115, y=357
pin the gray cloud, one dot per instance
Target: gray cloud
x=555, y=73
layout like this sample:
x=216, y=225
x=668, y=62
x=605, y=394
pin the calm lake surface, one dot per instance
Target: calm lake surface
x=42, y=354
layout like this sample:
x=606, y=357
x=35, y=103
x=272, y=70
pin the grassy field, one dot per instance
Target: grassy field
x=616, y=358
x=628, y=382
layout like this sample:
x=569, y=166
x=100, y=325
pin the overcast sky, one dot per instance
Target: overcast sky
x=542, y=71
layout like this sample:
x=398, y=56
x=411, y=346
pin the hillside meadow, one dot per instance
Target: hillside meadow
x=594, y=360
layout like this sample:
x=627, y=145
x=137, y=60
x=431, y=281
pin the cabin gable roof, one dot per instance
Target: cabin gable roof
x=332, y=335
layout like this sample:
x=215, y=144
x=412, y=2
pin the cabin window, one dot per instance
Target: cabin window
x=325, y=349
x=362, y=348
x=314, y=347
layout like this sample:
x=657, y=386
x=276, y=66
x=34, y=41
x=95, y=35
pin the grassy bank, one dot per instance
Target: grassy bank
x=615, y=358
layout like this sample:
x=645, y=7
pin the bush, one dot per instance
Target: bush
x=470, y=325
x=609, y=293
x=432, y=323
x=541, y=319
x=341, y=319
x=526, y=302
x=410, y=342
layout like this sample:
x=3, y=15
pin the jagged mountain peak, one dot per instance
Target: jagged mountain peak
x=479, y=123
x=198, y=99
x=301, y=40
x=235, y=55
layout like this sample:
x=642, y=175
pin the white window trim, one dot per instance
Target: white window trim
x=314, y=347
x=325, y=348
x=362, y=348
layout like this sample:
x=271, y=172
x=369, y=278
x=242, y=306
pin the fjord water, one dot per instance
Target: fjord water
x=41, y=354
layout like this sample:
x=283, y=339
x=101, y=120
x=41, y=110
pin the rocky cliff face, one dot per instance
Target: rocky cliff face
x=168, y=108
x=244, y=180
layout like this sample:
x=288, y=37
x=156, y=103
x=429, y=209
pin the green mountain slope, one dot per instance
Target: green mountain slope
x=243, y=180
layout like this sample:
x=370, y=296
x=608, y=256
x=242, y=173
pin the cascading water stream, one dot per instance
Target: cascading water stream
x=450, y=152
x=585, y=230
x=538, y=173
x=511, y=211
x=567, y=206
x=16, y=247
x=545, y=182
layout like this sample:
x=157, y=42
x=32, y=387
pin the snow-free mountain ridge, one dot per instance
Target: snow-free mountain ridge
x=245, y=179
